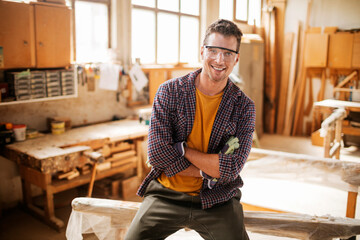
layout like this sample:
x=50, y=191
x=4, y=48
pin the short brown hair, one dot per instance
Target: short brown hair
x=226, y=28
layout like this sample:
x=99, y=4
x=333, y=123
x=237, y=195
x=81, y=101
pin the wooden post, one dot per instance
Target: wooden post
x=289, y=37
x=338, y=127
x=139, y=157
x=327, y=143
x=351, y=204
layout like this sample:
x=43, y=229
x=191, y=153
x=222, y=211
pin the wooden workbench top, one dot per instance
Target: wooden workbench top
x=54, y=145
x=337, y=104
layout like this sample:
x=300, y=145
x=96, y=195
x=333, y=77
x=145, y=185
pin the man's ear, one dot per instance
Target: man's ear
x=237, y=57
x=202, y=53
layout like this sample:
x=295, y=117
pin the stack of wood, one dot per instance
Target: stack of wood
x=294, y=60
x=118, y=154
x=68, y=175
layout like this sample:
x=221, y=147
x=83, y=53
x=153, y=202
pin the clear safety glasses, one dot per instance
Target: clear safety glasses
x=227, y=54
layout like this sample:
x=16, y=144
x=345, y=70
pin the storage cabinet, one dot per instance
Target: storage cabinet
x=34, y=35
x=52, y=35
x=340, y=50
x=17, y=36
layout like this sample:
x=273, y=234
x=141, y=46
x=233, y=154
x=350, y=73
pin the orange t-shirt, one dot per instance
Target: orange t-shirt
x=205, y=113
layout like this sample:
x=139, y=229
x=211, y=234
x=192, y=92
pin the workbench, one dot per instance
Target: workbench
x=326, y=107
x=40, y=159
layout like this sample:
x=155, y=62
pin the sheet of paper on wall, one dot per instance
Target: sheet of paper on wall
x=109, y=76
x=138, y=77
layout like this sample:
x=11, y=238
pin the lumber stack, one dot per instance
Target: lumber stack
x=294, y=60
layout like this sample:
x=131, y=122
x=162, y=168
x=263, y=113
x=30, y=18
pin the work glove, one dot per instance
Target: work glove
x=180, y=147
x=230, y=146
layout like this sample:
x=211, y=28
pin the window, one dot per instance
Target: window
x=92, y=30
x=165, y=31
x=247, y=11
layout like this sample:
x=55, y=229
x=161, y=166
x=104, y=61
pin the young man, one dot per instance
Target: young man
x=199, y=139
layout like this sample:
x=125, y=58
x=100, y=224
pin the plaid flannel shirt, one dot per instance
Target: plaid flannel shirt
x=172, y=120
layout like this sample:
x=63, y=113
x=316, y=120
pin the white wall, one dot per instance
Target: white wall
x=345, y=14
x=341, y=13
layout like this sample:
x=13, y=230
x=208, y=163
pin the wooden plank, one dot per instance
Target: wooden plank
x=289, y=114
x=59, y=186
x=351, y=204
x=311, y=99
x=356, y=51
x=129, y=187
x=301, y=78
x=351, y=130
x=286, y=61
x=297, y=128
x=139, y=168
x=119, y=147
x=279, y=51
x=124, y=161
x=260, y=161
x=346, y=90
x=270, y=81
x=346, y=80
x=340, y=50
x=250, y=207
x=316, y=49
x=301, y=226
x=321, y=93
x=121, y=155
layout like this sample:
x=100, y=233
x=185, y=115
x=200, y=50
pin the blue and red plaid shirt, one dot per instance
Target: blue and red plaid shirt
x=172, y=120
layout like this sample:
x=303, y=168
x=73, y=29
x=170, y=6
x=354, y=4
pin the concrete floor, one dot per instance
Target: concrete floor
x=18, y=224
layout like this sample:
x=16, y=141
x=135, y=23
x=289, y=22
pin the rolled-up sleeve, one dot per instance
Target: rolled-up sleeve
x=162, y=154
x=231, y=165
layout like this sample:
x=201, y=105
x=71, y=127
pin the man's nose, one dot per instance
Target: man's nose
x=220, y=57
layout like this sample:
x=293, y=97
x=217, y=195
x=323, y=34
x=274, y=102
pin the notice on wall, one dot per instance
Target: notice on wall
x=138, y=77
x=109, y=76
x=1, y=57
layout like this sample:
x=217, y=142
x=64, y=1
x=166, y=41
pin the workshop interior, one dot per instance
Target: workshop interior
x=78, y=79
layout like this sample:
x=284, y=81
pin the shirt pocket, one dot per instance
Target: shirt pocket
x=230, y=129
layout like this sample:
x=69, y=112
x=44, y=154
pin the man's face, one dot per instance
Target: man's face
x=219, y=57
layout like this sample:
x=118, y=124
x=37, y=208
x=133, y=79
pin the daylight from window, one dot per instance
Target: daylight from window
x=165, y=31
x=91, y=32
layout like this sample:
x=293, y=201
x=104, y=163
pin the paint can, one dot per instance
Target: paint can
x=57, y=127
x=19, y=132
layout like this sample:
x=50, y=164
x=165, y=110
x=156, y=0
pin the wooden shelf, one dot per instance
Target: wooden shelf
x=62, y=185
x=39, y=100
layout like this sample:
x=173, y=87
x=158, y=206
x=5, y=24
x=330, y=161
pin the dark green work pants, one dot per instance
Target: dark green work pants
x=165, y=211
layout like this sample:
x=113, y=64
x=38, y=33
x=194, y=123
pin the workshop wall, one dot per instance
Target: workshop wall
x=89, y=107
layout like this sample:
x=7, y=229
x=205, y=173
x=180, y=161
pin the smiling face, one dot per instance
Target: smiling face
x=218, y=68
